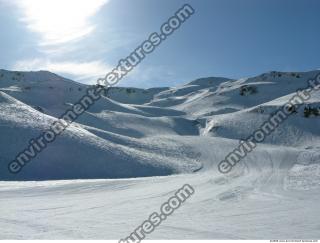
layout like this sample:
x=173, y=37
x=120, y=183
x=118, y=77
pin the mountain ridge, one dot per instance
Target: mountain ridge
x=125, y=118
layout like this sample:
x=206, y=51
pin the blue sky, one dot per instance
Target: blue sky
x=84, y=39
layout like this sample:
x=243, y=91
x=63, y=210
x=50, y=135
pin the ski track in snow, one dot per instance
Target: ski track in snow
x=148, y=144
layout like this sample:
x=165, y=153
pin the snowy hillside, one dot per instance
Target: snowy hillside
x=170, y=137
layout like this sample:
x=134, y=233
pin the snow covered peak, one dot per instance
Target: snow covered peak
x=9, y=78
x=154, y=131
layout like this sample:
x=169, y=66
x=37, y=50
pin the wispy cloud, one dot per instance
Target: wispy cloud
x=61, y=24
x=68, y=44
x=82, y=71
x=59, y=21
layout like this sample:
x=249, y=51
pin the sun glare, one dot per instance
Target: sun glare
x=60, y=21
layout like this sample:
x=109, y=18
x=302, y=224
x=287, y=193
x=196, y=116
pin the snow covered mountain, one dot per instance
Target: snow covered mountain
x=171, y=136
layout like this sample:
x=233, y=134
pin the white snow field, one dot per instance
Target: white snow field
x=133, y=149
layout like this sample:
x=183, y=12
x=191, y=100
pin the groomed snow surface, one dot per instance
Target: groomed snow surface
x=135, y=148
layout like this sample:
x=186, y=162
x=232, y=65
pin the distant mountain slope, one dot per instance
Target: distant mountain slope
x=133, y=132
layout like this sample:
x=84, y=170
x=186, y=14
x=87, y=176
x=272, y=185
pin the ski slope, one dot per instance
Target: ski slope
x=134, y=148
